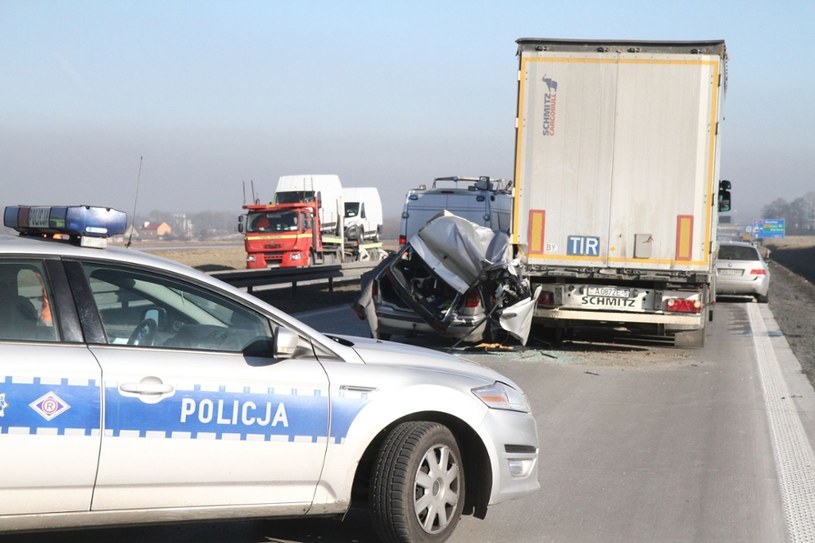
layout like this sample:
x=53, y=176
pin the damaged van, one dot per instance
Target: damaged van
x=453, y=278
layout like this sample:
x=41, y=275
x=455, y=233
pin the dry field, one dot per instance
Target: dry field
x=208, y=258
x=796, y=253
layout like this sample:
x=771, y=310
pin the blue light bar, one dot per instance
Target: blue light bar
x=93, y=221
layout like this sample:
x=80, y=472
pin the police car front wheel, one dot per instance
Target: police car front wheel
x=417, y=484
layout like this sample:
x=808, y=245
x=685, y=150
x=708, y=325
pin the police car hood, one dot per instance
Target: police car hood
x=389, y=353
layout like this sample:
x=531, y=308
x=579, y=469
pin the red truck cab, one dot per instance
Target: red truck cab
x=280, y=235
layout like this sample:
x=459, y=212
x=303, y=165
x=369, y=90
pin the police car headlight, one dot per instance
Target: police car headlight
x=502, y=396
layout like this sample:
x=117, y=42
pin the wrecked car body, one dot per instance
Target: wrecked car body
x=453, y=278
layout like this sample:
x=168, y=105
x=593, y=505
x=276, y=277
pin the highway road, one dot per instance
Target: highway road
x=638, y=444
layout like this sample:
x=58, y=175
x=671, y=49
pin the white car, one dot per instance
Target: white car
x=741, y=270
x=138, y=390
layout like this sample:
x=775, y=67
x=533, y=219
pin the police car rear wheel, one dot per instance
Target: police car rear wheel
x=417, y=485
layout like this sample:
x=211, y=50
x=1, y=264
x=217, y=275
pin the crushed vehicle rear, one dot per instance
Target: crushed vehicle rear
x=453, y=278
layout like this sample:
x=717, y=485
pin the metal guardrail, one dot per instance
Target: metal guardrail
x=277, y=276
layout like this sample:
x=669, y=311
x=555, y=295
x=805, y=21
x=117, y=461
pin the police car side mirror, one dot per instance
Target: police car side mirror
x=260, y=348
x=285, y=342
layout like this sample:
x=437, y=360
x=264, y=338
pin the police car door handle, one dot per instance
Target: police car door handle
x=148, y=385
x=354, y=388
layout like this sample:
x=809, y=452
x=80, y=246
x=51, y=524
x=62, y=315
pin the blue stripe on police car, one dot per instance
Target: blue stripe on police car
x=31, y=405
x=199, y=413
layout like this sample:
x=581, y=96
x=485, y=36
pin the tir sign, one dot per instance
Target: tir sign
x=583, y=246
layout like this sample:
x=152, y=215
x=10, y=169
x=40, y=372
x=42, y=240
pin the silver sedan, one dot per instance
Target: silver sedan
x=741, y=270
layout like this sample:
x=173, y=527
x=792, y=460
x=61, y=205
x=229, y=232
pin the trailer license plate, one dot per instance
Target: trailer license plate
x=612, y=292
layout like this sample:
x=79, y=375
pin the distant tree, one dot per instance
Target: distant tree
x=216, y=222
x=778, y=209
x=809, y=202
x=798, y=215
x=797, y=218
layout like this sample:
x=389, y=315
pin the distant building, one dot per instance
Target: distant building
x=182, y=225
x=155, y=230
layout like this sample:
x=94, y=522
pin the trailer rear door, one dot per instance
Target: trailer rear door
x=616, y=156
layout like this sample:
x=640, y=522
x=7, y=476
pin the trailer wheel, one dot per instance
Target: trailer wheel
x=417, y=484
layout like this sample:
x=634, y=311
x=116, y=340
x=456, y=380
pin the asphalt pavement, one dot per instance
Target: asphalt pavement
x=659, y=444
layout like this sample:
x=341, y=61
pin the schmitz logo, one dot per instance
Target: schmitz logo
x=549, y=106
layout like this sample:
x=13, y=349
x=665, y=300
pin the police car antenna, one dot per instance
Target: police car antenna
x=135, y=203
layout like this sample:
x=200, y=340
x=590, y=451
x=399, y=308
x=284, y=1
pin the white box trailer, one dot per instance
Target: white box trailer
x=616, y=180
x=308, y=187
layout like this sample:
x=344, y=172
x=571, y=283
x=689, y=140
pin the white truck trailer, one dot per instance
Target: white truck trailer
x=326, y=189
x=616, y=181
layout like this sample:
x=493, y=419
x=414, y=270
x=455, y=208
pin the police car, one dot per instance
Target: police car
x=135, y=389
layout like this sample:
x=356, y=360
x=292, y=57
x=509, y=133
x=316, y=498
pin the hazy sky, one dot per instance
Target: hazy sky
x=215, y=94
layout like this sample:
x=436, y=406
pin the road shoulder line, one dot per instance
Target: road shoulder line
x=795, y=460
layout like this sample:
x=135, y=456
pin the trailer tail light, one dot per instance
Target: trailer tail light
x=680, y=305
x=546, y=298
x=472, y=300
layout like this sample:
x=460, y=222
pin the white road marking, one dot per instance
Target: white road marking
x=794, y=457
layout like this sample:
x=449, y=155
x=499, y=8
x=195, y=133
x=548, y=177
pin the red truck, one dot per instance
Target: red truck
x=282, y=235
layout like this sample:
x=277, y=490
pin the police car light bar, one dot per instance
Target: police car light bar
x=90, y=223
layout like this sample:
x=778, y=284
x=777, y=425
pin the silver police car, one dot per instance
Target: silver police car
x=135, y=389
